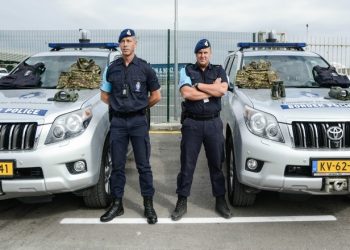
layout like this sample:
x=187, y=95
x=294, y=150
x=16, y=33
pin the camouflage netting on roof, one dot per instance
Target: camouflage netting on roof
x=256, y=75
x=84, y=74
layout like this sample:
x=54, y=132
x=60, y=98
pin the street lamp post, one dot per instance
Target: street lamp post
x=175, y=63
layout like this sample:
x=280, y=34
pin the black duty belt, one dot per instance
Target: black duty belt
x=201, y=117
x=129, y=114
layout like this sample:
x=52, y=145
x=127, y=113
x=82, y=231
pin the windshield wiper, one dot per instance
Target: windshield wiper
x=302, y=86
x=48, y=87
x=307, y=84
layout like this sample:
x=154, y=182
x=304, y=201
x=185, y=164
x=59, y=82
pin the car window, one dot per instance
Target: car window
x=56, y=64
x=294, y=71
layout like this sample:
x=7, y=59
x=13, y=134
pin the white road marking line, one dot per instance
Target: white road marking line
x=311, y=218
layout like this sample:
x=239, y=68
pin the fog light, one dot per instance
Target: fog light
x=79, y=166
x=252, y=164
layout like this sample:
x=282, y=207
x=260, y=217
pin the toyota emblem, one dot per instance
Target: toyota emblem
x=335, y=133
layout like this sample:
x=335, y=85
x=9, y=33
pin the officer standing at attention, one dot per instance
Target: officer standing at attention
x=126, y=85
x=201, y=85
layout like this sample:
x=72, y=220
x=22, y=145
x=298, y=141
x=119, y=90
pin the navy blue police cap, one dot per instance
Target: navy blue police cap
x=202, y=44
x=126, y=33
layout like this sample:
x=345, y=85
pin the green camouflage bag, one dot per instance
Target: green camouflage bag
x=63, y=80
x=339, y=93
x=82, y=74
x=256, y=75
x=65, y=96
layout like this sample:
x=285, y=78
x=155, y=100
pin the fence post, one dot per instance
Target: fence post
x=168, y=81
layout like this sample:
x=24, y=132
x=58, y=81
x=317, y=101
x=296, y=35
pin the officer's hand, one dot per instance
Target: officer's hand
x=217, y=81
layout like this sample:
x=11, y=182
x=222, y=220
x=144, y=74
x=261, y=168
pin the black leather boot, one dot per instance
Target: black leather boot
x=115, y=210
x=180, y=209
x=150, y=213
x=222, y=208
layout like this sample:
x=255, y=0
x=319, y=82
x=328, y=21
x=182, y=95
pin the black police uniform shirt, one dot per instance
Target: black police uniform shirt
x=129, y=86
x=191, y=75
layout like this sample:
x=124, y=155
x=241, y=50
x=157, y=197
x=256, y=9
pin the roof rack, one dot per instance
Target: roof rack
x=60, y=46
x=248, y=45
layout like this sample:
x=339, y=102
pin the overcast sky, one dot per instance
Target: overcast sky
x=324, y=17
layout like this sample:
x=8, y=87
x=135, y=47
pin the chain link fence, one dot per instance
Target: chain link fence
x=157, y=47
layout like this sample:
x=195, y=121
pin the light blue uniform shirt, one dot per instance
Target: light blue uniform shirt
x=184, y=79
x=106, y=86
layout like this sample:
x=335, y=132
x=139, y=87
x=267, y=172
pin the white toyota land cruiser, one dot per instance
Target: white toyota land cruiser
x=299, y=143
x=49, y=147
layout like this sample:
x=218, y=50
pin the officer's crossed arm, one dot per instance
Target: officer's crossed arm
x=217, y=89
x=187, y=90
x=192, y=94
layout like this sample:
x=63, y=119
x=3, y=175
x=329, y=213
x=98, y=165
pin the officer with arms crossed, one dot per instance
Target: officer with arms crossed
x=201, y=85
x=125, y=87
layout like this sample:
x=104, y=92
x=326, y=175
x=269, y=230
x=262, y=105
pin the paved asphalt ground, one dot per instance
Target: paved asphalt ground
x=42, y=226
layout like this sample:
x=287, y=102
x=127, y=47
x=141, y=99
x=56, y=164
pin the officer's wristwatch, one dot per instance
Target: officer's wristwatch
x=196, y=86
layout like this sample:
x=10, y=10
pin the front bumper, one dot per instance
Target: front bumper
x=52, y=160
x=275, y=157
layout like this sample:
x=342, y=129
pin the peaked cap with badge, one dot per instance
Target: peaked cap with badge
x=202, y=44
x=126, y=33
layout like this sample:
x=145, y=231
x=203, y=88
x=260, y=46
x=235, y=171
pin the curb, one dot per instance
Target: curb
x=165, y=126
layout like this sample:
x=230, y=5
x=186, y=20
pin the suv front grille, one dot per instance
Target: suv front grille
x=314, y=135
x=17, y=136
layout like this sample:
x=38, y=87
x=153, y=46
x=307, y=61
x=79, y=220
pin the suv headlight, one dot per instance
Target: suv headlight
x=262, y=124
x=69, y=125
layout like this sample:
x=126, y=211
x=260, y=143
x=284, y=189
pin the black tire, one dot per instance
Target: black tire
x=236, y=191
x=99, y=195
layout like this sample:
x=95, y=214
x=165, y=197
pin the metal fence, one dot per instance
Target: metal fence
x=157, y=47
x=335, y=50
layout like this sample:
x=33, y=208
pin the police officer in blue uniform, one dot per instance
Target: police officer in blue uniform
x=201, y=85
x=129, y=86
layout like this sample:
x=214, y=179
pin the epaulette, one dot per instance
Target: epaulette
x=142, y=60
x=189, y=65
x=116, y=61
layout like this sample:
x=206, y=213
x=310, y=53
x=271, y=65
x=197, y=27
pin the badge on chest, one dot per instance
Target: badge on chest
x=125, y=90
x=138, y=87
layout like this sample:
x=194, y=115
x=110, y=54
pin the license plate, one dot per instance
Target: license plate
x=6, y=169
x=330, y=167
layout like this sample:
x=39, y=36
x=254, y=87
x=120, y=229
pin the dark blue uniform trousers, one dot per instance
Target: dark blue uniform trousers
x=194, y=134
x=122, y=130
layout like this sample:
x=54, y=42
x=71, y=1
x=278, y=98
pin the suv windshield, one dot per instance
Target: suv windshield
x=294, y=71
x=56, y=64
